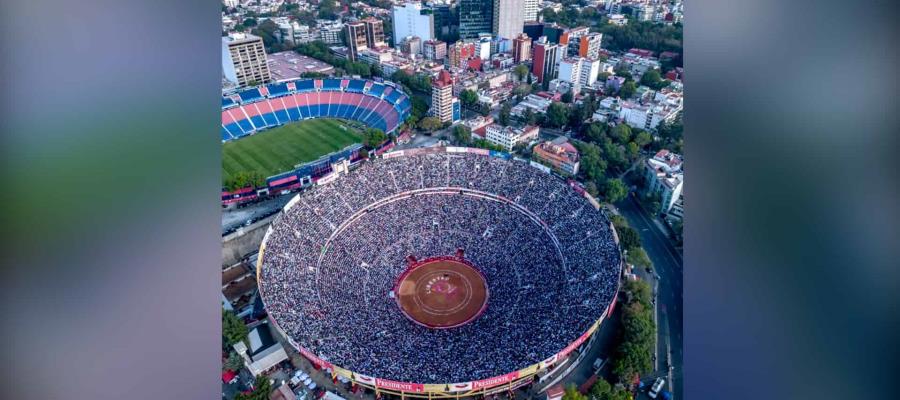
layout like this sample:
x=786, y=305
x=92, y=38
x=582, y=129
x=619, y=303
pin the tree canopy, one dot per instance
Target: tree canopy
x=462, y=134
x=374, y=137
x=557, y=115
x=430, y=124
x=615, y=190
x=233, y=329
x=503, y=118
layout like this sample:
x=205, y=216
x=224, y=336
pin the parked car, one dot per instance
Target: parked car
x=657, y=386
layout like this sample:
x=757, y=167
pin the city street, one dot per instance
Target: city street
x=667, y=262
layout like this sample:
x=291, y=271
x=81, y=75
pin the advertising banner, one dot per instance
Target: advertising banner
x=368, y=380
x=399, y=386
x=393, y=154
x=314, y=359
x=497, y=380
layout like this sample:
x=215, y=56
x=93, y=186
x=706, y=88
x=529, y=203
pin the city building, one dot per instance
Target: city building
x=509, y=18
x=508, y=137
x=374, y=32
x=329, y=31
x=532, y=8
x=484, y=47
x=617, y=19
x=355, y=33
x=648, y=116
x=443, y=105
x=475, y=16
x=411, y=45
x=665, y=177
x=244, y=60
x=534, y=30
x=533, y=102
x=434, y=50
x=444, y=22
x=290, y=65
x=411, y=19
x=460, y=53
x=579, y=70
x=263, y=352
x=589, y=45
x=479, y=124
x=521, y=48
x=558, y=153
x=544, y=65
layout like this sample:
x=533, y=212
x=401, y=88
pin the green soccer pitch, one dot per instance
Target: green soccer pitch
x=281, y=148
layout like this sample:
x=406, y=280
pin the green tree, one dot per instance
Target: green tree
x=528, y=117
x=261, y=390
x=244, y=179
x=468, y=98
x=627, y=90
x=557, y=115
x=374, y=137
x=591, y=188
x=592, y=166
x=615, y=190
x=653, y=80
x=638, y=257
x=568, y=96
x=628, y=238
x=233, y=329
x=249, y=22
x=632, y=149
x=643, y=138
x=234, y=362
x=462, y=134
x=595, y=132
x=622, y=133
x=430, y=124
x=521, y=71
x=504, y=114
x=572, y=393
x=327, y=9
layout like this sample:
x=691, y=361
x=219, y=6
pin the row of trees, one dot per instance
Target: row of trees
x=319, y=50
x=417, y=82
x=600, y=390
x=633, y=355
x=244, y=179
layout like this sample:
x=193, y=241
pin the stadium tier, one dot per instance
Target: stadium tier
x=329, y=267
x=378, y=105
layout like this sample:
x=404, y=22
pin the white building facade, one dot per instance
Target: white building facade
x=409, y=21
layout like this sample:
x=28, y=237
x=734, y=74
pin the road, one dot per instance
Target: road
x=667, y=262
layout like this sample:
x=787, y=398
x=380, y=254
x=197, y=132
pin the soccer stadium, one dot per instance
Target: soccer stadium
x=440, y=272
x=295, y=155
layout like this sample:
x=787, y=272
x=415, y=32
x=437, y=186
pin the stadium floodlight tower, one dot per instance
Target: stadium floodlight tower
x=441, y=292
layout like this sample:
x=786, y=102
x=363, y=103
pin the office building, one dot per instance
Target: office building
x=355, y=33
x=589, y=45
x=244, y=60
x=374, y=32
x=509, y=18
x=532, y=9
x=544, y=65
x=521, y=48
x=443, y=105
x=329, y=31
x=475, y=16
x=508, y=137
x=665, y=177
x=412, y=19
x=434, y=50
x=579, y=70
x=411, y=45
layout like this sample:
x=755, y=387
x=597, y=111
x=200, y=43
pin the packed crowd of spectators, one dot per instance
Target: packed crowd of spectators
x=332, y=259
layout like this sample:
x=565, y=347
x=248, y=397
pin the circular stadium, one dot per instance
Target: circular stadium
x=439, y=271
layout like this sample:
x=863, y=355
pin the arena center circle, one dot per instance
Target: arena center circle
x=329, y=263
x=442, y=292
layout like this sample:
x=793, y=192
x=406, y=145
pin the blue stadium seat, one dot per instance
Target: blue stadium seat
x=258, y=122
x=270, y=119
x=376, y=90
x=277, y=89
x=227, y=101
x=331, y=84
x=356, y=86
x=249, y=95
x=393, y=97
x=245, y=126
x=226, y=135
x=282, y=116
x=308, y=85
x=293, y=113
x=233, y=129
